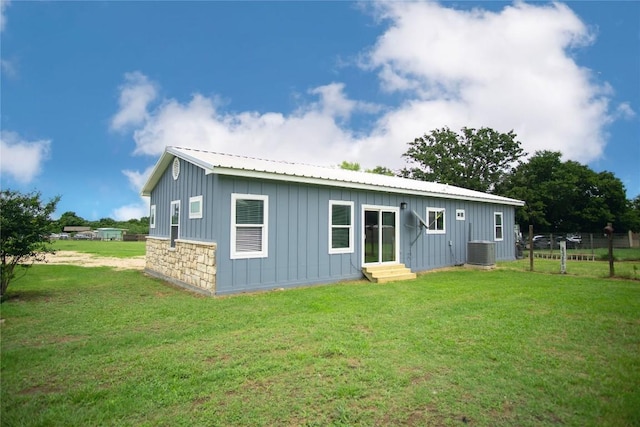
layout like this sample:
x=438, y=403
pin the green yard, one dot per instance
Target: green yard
x=117, y=249
x=94, y=346
x=596, y=269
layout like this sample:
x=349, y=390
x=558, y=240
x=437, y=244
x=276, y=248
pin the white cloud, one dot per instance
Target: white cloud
x=625, y=111
x=132, y=211
x=137, y=179
x=3, y=17
x=8, y=68
x=22, y=159
x=333, y=102
x=138, y=209
x=507, y=70
x=135, y=95
x=308, y=134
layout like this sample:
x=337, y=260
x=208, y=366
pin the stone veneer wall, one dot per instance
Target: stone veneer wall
x=190, y=264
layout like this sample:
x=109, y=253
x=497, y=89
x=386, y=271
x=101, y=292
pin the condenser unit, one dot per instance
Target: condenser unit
x=481, y=252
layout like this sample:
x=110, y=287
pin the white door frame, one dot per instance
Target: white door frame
x=380, y=209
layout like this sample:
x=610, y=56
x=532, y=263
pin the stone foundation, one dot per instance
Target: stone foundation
x=190, y=264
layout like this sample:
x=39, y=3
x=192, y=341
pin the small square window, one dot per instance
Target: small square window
x=195, y=207
x=459, y=214
x=435, y=220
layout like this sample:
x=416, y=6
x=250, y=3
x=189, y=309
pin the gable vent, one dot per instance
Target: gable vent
x=175, y=171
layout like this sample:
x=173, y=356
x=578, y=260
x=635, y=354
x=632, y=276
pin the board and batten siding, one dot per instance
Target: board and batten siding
x=191, y=182
x=298, y=238
x=421, y=251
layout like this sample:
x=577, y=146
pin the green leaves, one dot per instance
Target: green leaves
x=25, y=225
x=475, y=159
x=566, y=196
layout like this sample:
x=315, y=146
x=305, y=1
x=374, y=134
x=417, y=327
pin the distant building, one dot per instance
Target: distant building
x=110, y=233
x=76, y=229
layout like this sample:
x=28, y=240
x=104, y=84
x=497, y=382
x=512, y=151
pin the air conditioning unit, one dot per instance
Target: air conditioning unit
x=481, y=252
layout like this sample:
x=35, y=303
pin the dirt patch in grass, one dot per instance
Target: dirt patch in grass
x=88, y=260
x=41, y=389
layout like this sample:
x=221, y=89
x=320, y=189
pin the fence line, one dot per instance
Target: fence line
x=583, y=241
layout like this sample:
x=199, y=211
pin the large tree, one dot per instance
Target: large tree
x=631, y=218
x=477, y=159
x=25, y=225
x=69, y=218
x=565, y=196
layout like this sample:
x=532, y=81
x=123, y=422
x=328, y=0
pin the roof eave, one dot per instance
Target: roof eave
x=171, y=152
x=359, y=186
x=156, y=173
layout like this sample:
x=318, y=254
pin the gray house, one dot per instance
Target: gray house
x=224, y=224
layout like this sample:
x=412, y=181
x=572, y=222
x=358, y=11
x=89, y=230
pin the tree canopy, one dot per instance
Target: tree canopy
x=351, y=166
x=355, y=166
x=474, y=159
x=70, y=219
x=566, y=196
x=25, y=225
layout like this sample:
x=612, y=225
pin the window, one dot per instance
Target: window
x=174, y=214
x=195, y=207
x=249, y=219
x=340, y=227
x=152, y=217
x=435, y=220
x=497, y=226
x=459, y=214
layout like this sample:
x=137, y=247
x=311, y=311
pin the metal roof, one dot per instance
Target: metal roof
x=234, y=165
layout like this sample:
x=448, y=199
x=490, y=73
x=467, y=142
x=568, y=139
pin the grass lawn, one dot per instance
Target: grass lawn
x=629, y=254
x=94, y=346
x=118, y=249
x=600, y=269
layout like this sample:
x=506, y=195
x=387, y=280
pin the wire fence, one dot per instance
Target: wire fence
x=580, y=246
x=586, y=242
x=541, y=252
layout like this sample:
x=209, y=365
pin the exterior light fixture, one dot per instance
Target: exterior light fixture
x=403, y=205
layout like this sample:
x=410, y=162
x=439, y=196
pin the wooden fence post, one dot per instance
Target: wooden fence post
x=530, y=247
x=609, y=232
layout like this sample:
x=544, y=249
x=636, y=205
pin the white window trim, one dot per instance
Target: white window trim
x=152, y=217
x=265, y=226
x=174, y=202
x=460, y=215
x=198, y=214
x=430, y=230
x=350, y=249
x=171, y=224
x=495, y=226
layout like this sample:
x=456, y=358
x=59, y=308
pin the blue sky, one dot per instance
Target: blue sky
x=92, y=92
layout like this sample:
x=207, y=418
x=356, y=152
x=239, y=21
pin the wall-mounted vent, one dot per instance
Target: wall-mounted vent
x=481, y=252
x=175, y=170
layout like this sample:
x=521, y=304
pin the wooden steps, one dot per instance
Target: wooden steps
x=388, y=273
